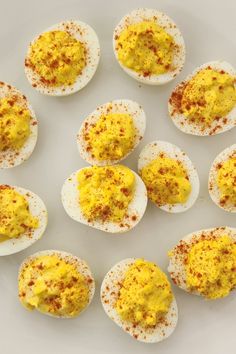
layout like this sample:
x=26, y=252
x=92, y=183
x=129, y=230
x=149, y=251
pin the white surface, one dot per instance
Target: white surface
x=204, y=327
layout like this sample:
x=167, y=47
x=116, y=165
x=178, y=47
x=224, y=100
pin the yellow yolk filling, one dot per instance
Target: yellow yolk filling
x=145, y=295
x=112, y=137
x=166, y=180
x=53, y=285
x=226, y=182
x=15, y=217
x=57, y=57
x=105, y=192
x=14, y=125
x=208, y=96
x=211, y=267
x=146, y=48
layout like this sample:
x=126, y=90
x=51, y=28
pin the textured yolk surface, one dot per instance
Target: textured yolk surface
x=15, y=217
x=112, y=137
x=166, y=180
x=146, y=48
x=58, y=58
x=226, y=182
x=53, y=285
x=145, y=295
x=14, y=125
x=105, y=192
x=211, y=267
x=208, y=96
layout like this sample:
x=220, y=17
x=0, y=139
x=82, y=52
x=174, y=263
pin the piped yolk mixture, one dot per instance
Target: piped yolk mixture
x=226, y=182
x=145, y=295
x=105, y=192
x=208, y=96
x=53, y=285
x=111, y=137
x=15, y=216
x=166, y=180
x=14, y=125
x=57, y=57
x=211, y=267
x=146, y=48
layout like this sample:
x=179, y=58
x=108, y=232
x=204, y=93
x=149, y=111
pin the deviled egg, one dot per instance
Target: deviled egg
x=204, y=262
x=222, y=179
x=169, y=175
x=18, y=127
x=55, y=283
x=137, y=296
x=149, y=46
x=23, y=218
x=63, y=59
x=205, y=102
x=111, y=132
x=108, y=198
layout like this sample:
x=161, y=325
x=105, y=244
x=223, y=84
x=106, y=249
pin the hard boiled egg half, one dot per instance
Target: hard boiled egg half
x=23, y=218
x=204, y=262
x=62, y=59
x=222, y=179
x=169, y=175
x=205, y=102
x=149, y=46
x=18, y=127
x=108, y=198
x=55, y=283
x=137, y=296
x=111, y=132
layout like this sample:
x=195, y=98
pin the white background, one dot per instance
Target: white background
x=208, y=27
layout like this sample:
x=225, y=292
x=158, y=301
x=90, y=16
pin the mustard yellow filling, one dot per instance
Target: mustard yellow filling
x=208, y=96
x=146, y=48
x=53, y=285
x=211, y=267
x=166, y=180
x=105, y=192
x=112, y=137
x=226, y=182
x=145, y=295
x=14, y=125
x=58, y=58
x=15, y=216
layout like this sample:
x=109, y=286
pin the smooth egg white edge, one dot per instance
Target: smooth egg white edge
x=151, y=151
x=109, y=292
x=176, y=267
x=89, y=39
x=38, y=209
x=81, y=265
x=182, y=122
x=118, y=106
x=70, y=201
x=213, y=189
x=170, y=27
x=8, y=158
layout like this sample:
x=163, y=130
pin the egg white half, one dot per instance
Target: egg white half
x=38, y=209
x=11, y=158
x=137, y=207
x=214, y=191
x=220, y=126
x=83, y=33
x=80, y=264
x=109, y=294
x=144, y=14
x=116, y=106
x=176, y=266
x=152, y=150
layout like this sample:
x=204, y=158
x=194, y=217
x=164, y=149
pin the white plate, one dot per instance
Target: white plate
x=204, y=327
